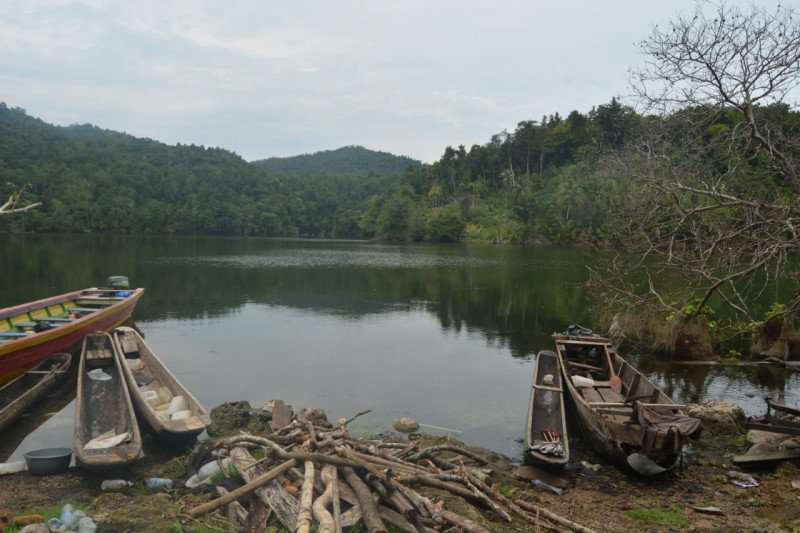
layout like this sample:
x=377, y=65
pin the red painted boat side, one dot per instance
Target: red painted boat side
x=21, y=354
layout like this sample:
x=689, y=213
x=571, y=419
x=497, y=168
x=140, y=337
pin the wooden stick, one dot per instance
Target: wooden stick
x=273, y=494
x=243, y=490
x=553, y=517
x=326, y=523
x=449, y=448
x=460, y=522
x=356, y=416
x=368, y=509
x=304, y=517
x=238, y=508
x=337, y=510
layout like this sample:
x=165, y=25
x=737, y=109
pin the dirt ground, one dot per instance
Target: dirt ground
x=606, y=501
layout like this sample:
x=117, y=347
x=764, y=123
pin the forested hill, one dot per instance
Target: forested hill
x=345, y=161
x=90, y=179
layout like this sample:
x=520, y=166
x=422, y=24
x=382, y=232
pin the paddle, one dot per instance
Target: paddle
x=614, y=381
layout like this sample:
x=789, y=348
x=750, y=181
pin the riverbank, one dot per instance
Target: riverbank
x=598, y=496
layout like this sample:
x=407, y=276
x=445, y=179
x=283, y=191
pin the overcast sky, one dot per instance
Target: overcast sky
x=266, y=78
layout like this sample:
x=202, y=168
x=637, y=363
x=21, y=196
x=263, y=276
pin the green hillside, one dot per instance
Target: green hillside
x=345, y=161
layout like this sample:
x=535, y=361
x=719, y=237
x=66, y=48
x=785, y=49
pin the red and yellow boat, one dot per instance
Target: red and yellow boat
x=31, y=332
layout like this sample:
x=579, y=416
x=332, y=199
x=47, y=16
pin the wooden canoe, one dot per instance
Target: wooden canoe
x=147, y=377
x=19, y=394
x=32, y=331
x=106, y=432
x=611, y=397
x=546, y=428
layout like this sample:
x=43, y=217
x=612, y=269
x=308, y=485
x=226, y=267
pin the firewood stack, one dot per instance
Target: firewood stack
x=313, y=474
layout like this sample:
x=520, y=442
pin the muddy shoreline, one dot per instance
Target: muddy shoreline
x=605, y=500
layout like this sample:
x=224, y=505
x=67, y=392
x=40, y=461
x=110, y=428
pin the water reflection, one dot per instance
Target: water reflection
x=442, y=333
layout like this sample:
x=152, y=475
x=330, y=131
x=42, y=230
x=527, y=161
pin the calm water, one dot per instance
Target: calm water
x=441, y=333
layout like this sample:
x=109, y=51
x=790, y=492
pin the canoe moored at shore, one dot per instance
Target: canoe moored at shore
x=171, y=410
x=622, y=414
x=546, y=441
x=32, y=331
x=106, y=432
x=19, y=394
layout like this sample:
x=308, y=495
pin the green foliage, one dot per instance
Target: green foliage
x=663, y=517
x=345, y=161
x=445, y=225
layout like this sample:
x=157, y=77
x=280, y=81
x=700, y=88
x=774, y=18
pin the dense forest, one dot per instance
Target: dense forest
x=540, y=183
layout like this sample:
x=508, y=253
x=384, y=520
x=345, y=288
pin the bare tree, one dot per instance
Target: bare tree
x=13, y=204
x=712, y=211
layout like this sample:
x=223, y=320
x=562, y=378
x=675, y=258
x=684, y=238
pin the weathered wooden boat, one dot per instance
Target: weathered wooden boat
x=546, y=439
x=19, y=394
x=106, y=432
x=780, y=418
x=168, y=407
x=32, y=331
x=622, y=414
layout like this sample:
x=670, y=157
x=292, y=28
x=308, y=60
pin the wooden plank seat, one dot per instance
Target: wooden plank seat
x=53, y=319
x=14, y=335
x=81, y=310
x=23, y=325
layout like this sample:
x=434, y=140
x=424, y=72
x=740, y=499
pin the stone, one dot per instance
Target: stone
x=315, y=415
x=406, y=425
x=755, y=436
x=718, y=416
x=35, y=528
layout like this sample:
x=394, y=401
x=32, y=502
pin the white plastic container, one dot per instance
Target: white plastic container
x=114, y=484
x=151, y=397
x=164, y=395
x=12, y=468
x=180, y=415
x=178, y=403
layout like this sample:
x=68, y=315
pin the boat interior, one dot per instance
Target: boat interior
x=595, y=366
x=546, y=417
x=54, y=315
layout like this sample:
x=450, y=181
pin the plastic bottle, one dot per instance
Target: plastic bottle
x=541, y=485
x=86, y=525
x=158, y=483
x=66, y=514
x=114, y=484
x=209, y=469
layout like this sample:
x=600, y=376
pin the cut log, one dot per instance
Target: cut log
x=304, y=516
x=281, y=415
x=251, y=486
x=325, y=519
x=284, y=505
x=368, y=509
x=257, y=517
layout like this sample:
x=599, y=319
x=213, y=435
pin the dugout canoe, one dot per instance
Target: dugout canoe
x=546, y=439
x=623, y=415
x=154, y=389
x=32, y=331
x=19, y=394
x=106, y=431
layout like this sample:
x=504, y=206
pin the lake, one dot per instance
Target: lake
x=442, y=333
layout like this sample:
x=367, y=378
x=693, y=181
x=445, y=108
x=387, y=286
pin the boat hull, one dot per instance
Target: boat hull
x=546, y=413
x=104, y=406
x=21, y=393
x=19, y=355
x=172, y=432
x=607, y=420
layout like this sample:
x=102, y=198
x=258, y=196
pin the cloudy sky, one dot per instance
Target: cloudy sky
x=277, y=78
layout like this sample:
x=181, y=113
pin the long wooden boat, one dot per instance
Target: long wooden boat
x=19, y=394
x=546, y=439
x=156, y=391
x=622, y=414
x=106, y=432
x=32, y=331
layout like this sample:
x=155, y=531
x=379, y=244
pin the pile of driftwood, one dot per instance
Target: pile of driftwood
x=310, y=473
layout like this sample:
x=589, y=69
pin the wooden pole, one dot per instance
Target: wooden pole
x=304, y=517
x=234, y=495
x=369, y=511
